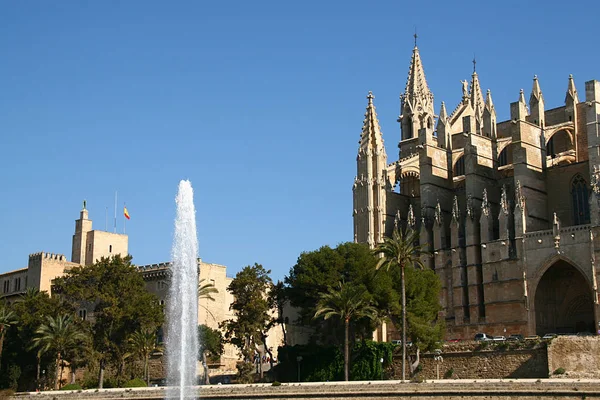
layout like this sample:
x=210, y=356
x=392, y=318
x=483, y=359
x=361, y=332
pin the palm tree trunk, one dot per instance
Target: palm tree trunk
x=101, y=375
x=146, y=371
x=346, y=348
x=403, y=325
x=1, y=342
x=37, y=372
x=58, y=372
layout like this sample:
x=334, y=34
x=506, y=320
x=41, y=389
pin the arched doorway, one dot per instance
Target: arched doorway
x=563, y=301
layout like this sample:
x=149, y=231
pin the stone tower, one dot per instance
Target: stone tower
x=370, y=181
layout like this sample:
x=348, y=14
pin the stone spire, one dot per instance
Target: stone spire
x=536, y=103
x=417, y=91
x=470, y=209
x=416, y=101
x=489, y=117
x=571, y=91
x=485, y=205
x=443, y=117
x=519, y=198
x=439, y=218
x=455, y=210
x=442, y=125
x=410, y=219
x=536, y=92
x=522, y=97
x=369, y=189
x=476, y=94
x=371, y=136
x=504, y=209
x=489, y=104
x=518, y=110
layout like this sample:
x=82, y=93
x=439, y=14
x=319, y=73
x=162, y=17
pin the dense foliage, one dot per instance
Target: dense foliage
x=121, y=307
x=326, y=363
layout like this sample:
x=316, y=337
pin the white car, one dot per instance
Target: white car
x=499, y=339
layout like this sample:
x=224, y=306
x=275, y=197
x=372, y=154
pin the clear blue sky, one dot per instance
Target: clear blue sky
x=259, y=104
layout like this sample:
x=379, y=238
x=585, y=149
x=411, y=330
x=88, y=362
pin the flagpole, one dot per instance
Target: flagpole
x=115, y=212
x=106, y=220
x=124, y=219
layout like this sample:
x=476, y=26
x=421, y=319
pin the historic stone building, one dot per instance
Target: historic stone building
x=507, y=211
x=89, y=245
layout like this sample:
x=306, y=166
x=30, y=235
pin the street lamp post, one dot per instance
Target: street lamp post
x=299, y=360
x=381, y=361
x=438, y=359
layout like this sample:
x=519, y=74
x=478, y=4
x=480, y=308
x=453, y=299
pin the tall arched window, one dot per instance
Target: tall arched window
x=579, y=194
x=459, y=167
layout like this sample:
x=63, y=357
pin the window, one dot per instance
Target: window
x=459, y=167
x=83, y=314
x=110, y=248
x=17, y=284
x=550, y=148
x=579, y=195
x=6, y=286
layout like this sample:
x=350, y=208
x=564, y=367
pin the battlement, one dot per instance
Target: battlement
x=47, y=256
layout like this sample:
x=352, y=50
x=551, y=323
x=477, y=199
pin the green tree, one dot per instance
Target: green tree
x=348, y=302
x=121, y=306
x=58, y=335
x=317, y=271
x=31, y=310
x=210, y=346
x=400, y=252
x=250, y=290
x=7, y=318
x=142, y=344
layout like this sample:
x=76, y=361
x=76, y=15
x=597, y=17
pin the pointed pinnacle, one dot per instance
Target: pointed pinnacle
x=522, y=96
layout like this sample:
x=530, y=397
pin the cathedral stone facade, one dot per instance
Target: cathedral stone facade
x=508, y=212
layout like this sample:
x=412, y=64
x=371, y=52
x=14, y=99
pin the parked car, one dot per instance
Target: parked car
x=499, y=339
x=482, y=337
x=455, y=340
x=532, y=337
x=515, y=337
x=548, y=336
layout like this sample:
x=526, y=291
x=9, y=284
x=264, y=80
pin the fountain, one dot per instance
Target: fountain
x=182, y=334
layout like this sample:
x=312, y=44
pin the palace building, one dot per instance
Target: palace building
x=507, y=211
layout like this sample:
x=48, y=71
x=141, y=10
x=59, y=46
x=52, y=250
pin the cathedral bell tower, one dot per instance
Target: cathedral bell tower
x=369, y=189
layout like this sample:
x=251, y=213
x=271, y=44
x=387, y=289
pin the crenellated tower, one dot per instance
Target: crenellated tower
x=370, y=182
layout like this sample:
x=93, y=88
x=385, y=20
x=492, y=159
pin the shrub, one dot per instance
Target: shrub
x=134, y=383
x=276, y=383
x=71, y=386
x=559, y=371
x=448, y=374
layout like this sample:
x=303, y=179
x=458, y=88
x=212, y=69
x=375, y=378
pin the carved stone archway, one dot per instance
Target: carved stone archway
x=563, y=301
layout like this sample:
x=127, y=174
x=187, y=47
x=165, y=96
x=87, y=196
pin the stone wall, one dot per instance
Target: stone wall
x=468, y=360
x=578, y=356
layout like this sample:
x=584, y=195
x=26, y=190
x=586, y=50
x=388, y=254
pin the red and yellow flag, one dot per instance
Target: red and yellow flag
x=126, y=213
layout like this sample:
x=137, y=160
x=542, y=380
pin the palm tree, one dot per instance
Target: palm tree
x=349, y=303
x=400, y=251
x=7, y=318
x=59, y=335
x=142, y=344
x=205, y=291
